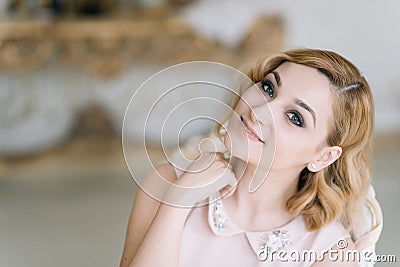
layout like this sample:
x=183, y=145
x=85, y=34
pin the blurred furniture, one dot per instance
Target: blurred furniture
x=106, y=46
x=44, y=64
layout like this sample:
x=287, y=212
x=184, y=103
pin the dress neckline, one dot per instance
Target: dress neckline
x=262, y=242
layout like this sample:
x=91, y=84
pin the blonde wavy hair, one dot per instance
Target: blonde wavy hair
x=339, y=190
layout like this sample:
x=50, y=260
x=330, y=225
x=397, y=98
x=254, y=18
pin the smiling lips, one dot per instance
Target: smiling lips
x=250, y=131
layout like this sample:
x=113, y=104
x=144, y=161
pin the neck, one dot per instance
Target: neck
x=271, y=197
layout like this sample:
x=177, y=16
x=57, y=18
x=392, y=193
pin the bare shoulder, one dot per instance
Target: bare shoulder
x=158, y=180
x=167, y=171
x=339, y=256
x=144, y=208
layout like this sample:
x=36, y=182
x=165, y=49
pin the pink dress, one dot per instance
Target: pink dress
x=210, y=238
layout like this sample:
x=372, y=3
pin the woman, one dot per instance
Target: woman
x=320, y=138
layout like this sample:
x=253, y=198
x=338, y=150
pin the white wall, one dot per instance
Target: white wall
x=365, y=32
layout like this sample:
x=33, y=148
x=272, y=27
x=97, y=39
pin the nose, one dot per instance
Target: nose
x=263, y=115
x=253, y=117
x=260, y=114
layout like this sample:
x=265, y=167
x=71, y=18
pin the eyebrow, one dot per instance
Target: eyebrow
x=306, y=107
x=277, y=78
x=296, y=100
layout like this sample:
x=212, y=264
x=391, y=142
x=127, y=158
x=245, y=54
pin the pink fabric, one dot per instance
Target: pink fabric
x=203, y=243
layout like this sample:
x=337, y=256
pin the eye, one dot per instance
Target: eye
x=267, y=87
x=296, y=118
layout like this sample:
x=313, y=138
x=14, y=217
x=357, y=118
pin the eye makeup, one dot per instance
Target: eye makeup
x=294, y=116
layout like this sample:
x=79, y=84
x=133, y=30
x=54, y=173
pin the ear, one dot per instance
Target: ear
x=326, y=157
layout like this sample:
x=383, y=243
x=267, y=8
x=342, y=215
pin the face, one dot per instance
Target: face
x=285, y=116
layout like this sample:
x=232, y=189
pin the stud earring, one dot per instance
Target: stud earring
x=313, y=165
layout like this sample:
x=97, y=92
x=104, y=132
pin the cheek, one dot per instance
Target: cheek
x=293, y=147
x=241, y=106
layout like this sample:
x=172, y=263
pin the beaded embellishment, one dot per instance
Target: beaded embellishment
x=268, y=242
x=219, y=216
x=273, y=242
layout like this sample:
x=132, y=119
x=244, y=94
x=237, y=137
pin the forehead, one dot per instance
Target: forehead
x=309, y=80
x=307, y=84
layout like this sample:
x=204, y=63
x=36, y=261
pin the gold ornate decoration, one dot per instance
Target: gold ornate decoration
x=24, y=45
x=105, y=47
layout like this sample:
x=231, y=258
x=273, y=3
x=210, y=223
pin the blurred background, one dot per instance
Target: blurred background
x=69, y=68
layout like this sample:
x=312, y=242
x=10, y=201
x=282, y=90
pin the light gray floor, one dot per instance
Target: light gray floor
x=77, y=217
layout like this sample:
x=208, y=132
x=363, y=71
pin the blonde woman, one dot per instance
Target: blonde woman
x=316, y=198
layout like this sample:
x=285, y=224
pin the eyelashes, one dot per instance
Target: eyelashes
x=295, y=118
x=293, y=115
x=268, y=87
